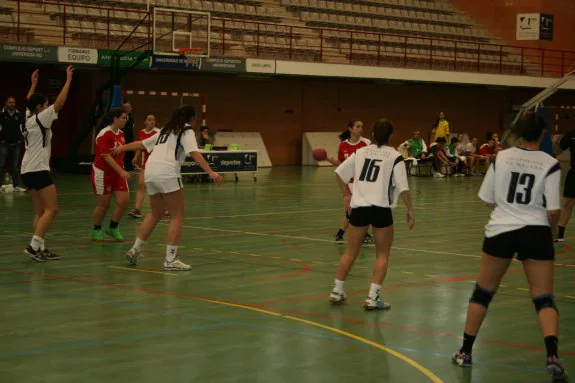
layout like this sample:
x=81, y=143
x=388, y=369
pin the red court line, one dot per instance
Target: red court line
x=566, y=248
x=191, y=297
x=306, y=269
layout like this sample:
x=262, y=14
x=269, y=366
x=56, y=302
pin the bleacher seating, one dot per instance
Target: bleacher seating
x=414, y=33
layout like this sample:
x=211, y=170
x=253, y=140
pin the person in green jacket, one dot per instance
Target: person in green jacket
x=416, y=146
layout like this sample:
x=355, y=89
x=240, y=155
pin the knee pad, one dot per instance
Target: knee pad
x=545, y=301
x=481, y=296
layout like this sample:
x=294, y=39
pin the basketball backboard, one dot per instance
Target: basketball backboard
x=173, y=29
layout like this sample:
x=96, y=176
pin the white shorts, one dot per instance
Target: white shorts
x=166, y=186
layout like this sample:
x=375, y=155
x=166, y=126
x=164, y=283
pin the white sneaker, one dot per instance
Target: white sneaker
x=133, y=256
x=438, y=175
x=19, y=189
x=336, y=298
x=375, y=304
x=176, y=265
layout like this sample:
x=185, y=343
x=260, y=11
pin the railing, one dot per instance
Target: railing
x=59, y=23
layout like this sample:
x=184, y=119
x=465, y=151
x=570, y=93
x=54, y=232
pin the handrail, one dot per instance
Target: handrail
x=291, y=42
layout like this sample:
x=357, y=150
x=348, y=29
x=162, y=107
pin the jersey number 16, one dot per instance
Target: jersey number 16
x=525, y=180
x=370, y=170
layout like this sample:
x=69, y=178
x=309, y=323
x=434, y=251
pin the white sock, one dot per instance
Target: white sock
x=338, y=286
x=43, y=245
x=138, y=244
x=374, y=291
x=171, y=253
x=36, y=242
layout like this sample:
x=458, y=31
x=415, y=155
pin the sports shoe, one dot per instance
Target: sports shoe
x=462, y=359
x=555, y=369
x=368, y=239
x=133, y=256
x=19, y=189
x=559, y=239
x=375, y=304
x=49, y=256
x=176, y=265
x=97, y=235
x=336, y=298
x=339, y=239
x=115, y=233
x=34, y=254
x=438, y=175
x=136, y=213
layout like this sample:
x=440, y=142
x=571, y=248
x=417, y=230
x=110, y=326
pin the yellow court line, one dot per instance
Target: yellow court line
x=407, y=272
x=569, y=296
x=522, y=289
x=431, y=276
x=434, y=378
x=141, y=270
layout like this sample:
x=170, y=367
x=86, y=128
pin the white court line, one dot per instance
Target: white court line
x=331, y=241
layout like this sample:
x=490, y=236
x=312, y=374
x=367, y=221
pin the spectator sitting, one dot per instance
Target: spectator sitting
x=415, y=149
x=488, y=149
x=461, y=150
x=453, y=156
x=437, y=152
x=471, y=151
x=205, y=137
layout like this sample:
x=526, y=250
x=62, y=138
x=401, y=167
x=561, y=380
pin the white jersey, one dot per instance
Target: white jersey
x=168, y=153
x=379, y=176
x=38, y=138
x=471, y=148
x=523, y=185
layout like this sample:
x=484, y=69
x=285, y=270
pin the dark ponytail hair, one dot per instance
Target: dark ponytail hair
x=346, y=134
x=179, y=119
x=529, y=127
x=108, y=118
x=382, y=131
x=35, y=100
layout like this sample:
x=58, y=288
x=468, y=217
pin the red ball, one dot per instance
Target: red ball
x=319, y=154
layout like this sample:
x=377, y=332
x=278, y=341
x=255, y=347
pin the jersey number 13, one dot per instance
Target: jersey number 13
x=523, y=181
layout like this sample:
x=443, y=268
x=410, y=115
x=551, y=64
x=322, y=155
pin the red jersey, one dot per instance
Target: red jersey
x=105, y=141
x=486, y=149
x=346, y=148
x=144, y=135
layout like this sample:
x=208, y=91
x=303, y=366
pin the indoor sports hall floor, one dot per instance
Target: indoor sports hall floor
x=254, y=308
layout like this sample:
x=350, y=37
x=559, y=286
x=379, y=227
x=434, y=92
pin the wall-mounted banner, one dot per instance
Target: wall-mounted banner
x=77, y=55
x=104, y=57
x=260, y=66
x=174, y=62
x=17, y=52
x=534, y=26
x=223, y=64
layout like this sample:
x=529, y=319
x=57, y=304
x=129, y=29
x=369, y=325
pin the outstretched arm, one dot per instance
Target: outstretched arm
x=33, y=83
x=61, y=99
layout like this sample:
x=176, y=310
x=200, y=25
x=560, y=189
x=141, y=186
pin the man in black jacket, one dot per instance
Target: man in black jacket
x=11, y=122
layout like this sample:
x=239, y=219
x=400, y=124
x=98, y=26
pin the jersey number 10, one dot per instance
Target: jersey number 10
x=162, y=139
x=370, y=170
x=525, y=180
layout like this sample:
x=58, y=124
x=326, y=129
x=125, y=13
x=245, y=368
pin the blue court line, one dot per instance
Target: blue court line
x=219, y=323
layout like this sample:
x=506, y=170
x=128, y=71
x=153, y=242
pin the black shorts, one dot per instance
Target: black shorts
x=376, y=216
x=569, y=188
x=529, y=242
x=37, y=180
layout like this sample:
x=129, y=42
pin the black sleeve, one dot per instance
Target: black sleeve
x=566, y=140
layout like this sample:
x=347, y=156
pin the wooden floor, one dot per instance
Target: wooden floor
x=254, y=308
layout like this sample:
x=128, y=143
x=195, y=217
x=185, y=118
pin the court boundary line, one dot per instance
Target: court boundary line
x=419, y=367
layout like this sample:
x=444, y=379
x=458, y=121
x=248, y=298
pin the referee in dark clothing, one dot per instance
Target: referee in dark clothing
x=567, y=142
x=129, y=135
x=11, y=123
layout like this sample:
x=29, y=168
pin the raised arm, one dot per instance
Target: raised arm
x=61, y=99
x=33, y=83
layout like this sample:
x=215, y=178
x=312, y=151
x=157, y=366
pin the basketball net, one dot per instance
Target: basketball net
x=193, y=56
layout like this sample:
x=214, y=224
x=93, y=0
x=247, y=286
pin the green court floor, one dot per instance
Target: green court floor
x=254, y=308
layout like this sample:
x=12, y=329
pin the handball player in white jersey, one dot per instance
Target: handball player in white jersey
x=36, y=163
x=522, y=185
x=379, y=178
x=163, y=181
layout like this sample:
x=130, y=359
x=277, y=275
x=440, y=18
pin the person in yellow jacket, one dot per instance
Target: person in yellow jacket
x=440, y=128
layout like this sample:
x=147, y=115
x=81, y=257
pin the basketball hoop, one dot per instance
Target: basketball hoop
x=193, y=56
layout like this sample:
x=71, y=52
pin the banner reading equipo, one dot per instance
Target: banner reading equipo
x=225, y=162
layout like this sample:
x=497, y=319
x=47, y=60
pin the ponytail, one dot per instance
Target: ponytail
x=346, y=134
x=382, y=131
x=179, y=119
